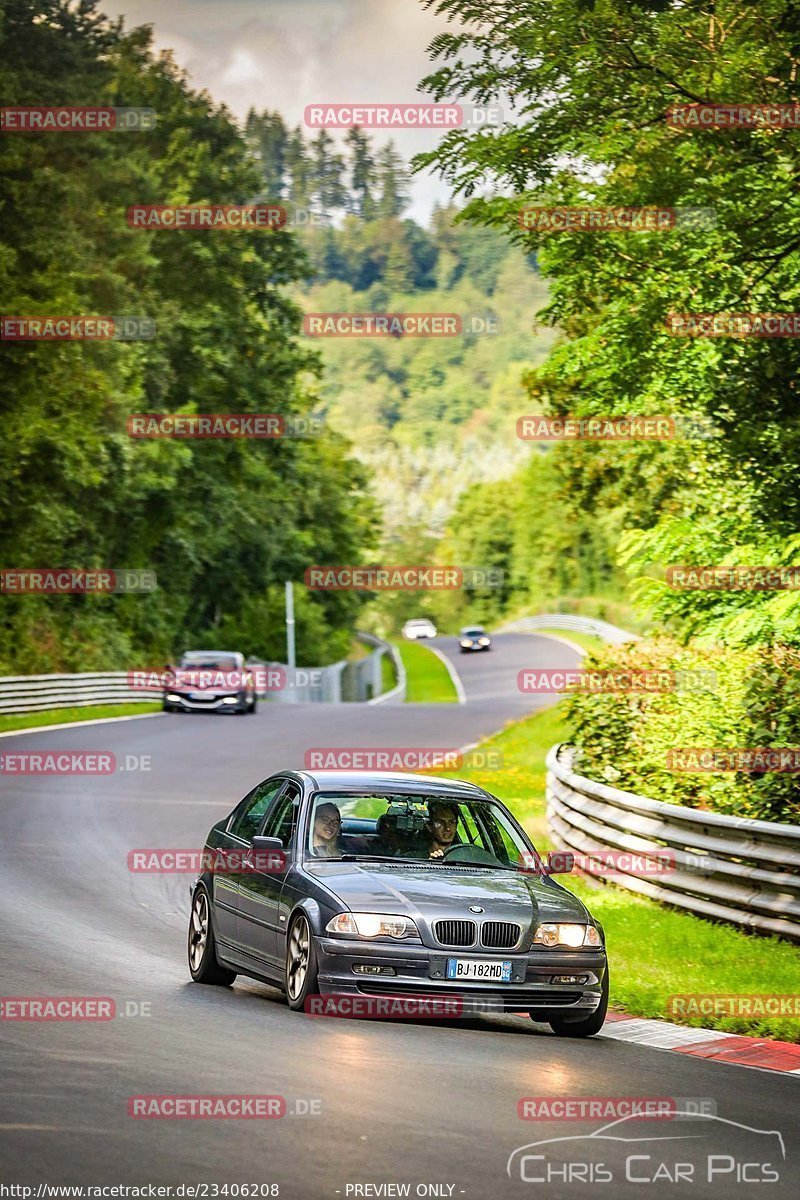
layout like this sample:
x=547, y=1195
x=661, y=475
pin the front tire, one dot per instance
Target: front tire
x=301, y=962
x=203, y=965
x=590, y=1025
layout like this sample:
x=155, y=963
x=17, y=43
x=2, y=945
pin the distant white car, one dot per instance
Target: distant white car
x=420, y=627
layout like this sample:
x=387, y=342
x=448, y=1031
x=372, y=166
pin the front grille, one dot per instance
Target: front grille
x=501, y=935
x=455, y=933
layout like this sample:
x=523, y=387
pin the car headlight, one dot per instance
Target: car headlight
x=171, y=697
x=466, y=642
x=573, y=936
x=483, y=641
x=229, y=700
x=372, y=925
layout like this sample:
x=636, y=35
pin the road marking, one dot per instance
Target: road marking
x=554, y=637
x=75, y=724
x=453, y=673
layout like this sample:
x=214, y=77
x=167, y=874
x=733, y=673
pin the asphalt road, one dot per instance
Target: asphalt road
x=369, y=1103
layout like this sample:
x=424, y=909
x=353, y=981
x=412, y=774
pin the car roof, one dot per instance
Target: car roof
x=210, y=653
x=392, y=782
x=466, y=628
x=419, y=621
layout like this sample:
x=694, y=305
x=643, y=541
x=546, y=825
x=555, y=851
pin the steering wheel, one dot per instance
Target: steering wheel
x=470, y=853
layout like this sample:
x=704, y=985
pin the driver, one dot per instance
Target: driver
x=441, y=827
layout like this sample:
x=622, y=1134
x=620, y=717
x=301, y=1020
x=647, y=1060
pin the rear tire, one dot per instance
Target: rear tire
x=203, y=965
x=590, y=1025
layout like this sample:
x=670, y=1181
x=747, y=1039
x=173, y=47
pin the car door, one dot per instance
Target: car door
x=259, y=891
x=246, y=821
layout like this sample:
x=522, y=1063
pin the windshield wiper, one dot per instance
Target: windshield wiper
x=366, y=858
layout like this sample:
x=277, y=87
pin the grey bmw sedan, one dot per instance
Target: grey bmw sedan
x=357, y=884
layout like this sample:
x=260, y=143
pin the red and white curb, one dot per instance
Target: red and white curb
x=705, y=1043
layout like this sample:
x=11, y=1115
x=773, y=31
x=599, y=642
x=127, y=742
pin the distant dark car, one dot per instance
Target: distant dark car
x=210, y=681
x=474, y=637
x=364, y=884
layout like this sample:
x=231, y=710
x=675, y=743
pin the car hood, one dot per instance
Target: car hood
x=439, y=891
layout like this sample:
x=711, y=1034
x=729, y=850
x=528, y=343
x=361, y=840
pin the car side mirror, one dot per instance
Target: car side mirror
x=268, y=854
x=560, y=862
x=267, y=843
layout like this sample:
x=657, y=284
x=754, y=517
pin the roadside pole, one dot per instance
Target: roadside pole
x=290, y=648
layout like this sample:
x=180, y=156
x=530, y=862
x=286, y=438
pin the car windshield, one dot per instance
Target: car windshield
x=416, y=828
x=476, y=632
x=208, y=662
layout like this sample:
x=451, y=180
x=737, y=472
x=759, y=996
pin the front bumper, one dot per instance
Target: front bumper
x=211, y=703
x=421, y=971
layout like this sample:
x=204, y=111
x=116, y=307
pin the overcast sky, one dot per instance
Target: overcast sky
x=285, y=54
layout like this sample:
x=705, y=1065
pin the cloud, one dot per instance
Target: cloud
x=285, y=54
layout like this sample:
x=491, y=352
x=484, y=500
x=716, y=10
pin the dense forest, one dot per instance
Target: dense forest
x=434, y=421
x=593, y=85
x=222, y=523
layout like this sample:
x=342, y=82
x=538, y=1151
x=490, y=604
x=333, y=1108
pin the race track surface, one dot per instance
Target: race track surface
x=413, y=1102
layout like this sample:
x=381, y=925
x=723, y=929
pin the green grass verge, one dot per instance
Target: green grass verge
x=587, y=641
x=57, y=716
x=388, y=680
x=427, y=678
x=655, y=951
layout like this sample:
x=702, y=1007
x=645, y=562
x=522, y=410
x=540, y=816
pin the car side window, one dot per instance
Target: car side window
x=247, y=820
x=280, y=823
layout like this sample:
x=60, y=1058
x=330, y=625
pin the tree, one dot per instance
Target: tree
x=219, y=522
x=392, y=179
x=592, y=84
x=267, y=135
x=362, y=173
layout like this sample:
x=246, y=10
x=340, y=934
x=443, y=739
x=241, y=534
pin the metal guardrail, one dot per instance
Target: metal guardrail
x=357, y=680
x=601, y=629
x=730, y=868
x=397, y=694
x=36, y=693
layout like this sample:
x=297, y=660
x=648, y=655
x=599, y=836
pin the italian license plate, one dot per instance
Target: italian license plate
x=479, y=968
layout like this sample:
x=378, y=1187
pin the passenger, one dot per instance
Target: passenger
x=327, y=828
x=391, y=839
